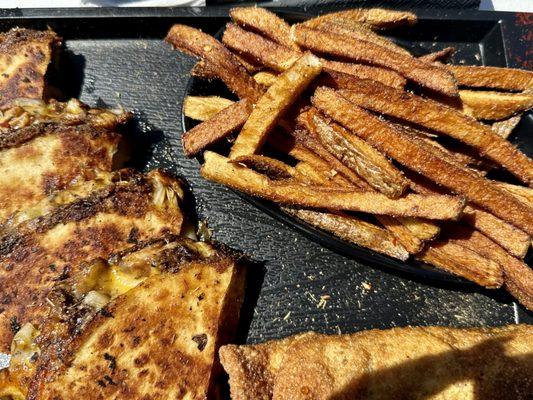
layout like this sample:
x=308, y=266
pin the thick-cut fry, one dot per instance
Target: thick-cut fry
x=438, y=117
x=216, y=128
x=409, y=153
x=264, y=22
x=354, y=31
x=523, y=193
x=274, y=103
x=201, y=108
x=270, y=167
x=492, y=77
x=202, y=70
x=219, y=169
x=353, y=230
x=265, y=78
x=518, y=277
x=482, y=104
x=356, y=154
x=218, y=58
x=361, y=71
x=426, y=74
x=264, y=51
x=461, y=261
x=505, y=128
x=378, y=18
x=441, y=55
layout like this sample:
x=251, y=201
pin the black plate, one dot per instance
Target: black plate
x=117, y=57
x=479, y=43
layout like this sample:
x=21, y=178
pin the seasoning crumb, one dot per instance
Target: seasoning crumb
x=323, y=301
x=366, y=286
x=287, y=316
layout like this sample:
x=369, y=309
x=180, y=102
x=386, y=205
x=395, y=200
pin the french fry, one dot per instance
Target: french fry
x=263, y=51
x=377, y=18
x=270, y=167
x=492, y=77
x=361, y=71
x=461, y=261
x=353, y=230
x=219, y=169
x=410, y=154
x=438, y=117
x=525, y=194
x=264, y=22
x=218, y=58
x=219, y=126
x=353, y=30
x=356, y=154
x=426, y=74
x=505, y=128
x=518, y=279
x=201, y=108
x=440, y=55
x=489, y=105
x=265, y=78
x=274, y=103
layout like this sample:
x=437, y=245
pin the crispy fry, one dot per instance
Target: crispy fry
x=441, y=55
x=353, y=230
x=378, y=18
x=482, y=104
x=438, y=117
x=356, y=154
x=264, y=22
x=218, y=169
x=355, y=31
x=270, y=167
x=274, y=103
x=216, y=128
x=461, y=261
x=505, y=128
x=202, y=70
x=361, y=71
x=525, y=194
x=518, y=277
x=407, y=152
x=219, y=59
x=492, y=77
x=265, y=78
x=201, y=108
x=425, y=74
x=261, y=50
x=250, y=66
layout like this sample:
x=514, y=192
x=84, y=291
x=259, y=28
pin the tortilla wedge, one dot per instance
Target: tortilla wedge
x=438, y=117
x=407, y=152
x=423, y=73
x=271, y=106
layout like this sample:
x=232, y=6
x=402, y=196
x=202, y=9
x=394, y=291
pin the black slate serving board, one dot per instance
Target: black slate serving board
x=117, y=57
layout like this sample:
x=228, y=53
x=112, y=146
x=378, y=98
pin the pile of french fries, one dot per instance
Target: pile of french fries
x=351, y=133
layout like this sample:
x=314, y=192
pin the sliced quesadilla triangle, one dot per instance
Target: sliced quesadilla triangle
x=24, y=58
x=40, y=251
x=157, y=340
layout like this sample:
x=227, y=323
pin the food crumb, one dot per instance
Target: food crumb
x=366, y=286
x=323, y=301
x=287, y=316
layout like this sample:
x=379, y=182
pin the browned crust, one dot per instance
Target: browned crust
x=219, y=59
x=356, y=154
x=440, y=55
x=379, y=18
x=263, y=51
x=409, y=153
x=490, y=105
x=464, y=262
x=28, y=267
x=217, y=168
x=438, y=117
x=25, y=53
x=353, y=31
x=218, y=127
x=425, y=74
x=264, y=22
x=492, y=77
x=361, y=71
